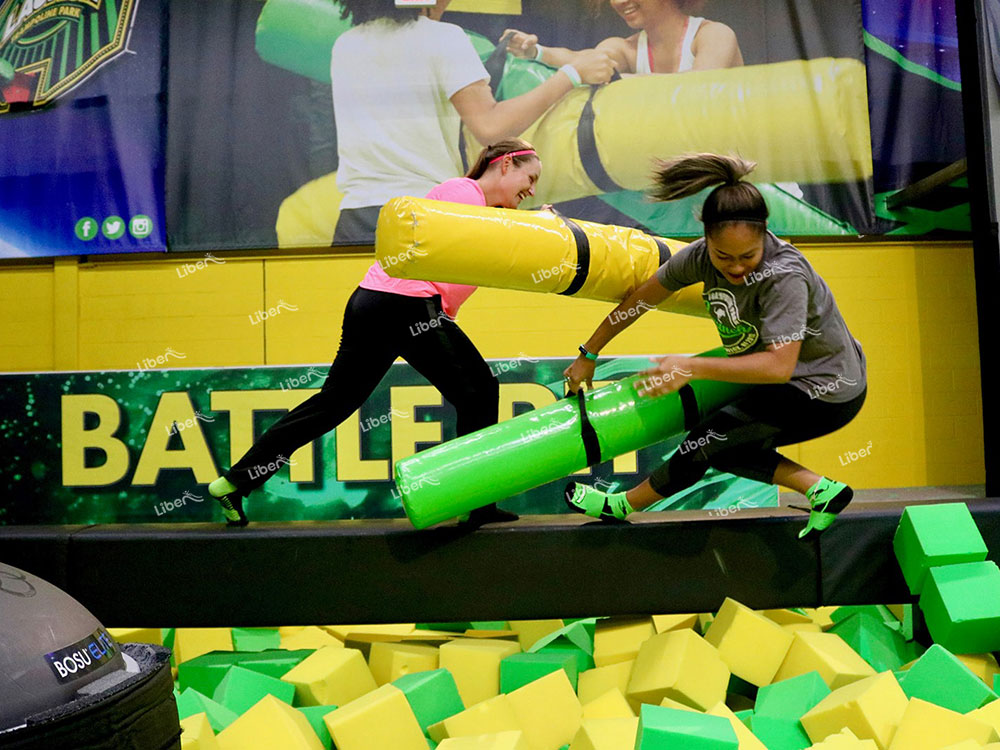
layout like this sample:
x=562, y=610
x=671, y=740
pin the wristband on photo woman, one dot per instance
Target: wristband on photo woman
x=573, y=73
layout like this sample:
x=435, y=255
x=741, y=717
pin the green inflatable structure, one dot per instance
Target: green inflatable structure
x=533, y=449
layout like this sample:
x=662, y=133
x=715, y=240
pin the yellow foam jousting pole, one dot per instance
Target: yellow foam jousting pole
x=800, y=120
x=531, y=251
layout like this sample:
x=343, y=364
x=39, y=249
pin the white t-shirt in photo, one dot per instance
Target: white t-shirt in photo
x=397, y=131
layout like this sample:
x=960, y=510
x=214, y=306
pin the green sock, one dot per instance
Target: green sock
x=619, y=504
x=221, y=487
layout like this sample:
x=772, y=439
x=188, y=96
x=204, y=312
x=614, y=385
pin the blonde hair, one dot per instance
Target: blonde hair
x=734, y=200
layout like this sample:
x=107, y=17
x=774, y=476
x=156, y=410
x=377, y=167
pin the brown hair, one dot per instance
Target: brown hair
x=598, y=7
x=363, y=11
x=500, y=148
x=734, y=200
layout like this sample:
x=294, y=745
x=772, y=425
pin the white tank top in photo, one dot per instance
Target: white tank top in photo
x=642, y=66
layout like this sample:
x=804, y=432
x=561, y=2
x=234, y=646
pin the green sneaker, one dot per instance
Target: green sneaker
x=227, y=495
x=826, y=499
x=582, y=498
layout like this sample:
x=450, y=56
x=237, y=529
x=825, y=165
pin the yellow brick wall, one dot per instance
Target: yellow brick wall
x=911, y=306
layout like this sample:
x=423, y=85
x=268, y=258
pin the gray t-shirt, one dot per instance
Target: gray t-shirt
x=781, y=301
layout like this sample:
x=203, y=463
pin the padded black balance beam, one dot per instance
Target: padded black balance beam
x=202, y=575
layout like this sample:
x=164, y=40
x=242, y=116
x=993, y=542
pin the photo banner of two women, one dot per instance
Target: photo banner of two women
x=242, y=124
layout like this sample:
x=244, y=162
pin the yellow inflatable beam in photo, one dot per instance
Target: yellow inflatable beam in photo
x=531, y=251
x=801, y=121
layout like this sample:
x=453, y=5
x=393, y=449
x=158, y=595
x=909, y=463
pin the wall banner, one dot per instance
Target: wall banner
x=141, y=445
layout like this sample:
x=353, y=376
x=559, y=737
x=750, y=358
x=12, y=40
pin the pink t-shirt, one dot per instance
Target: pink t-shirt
x=455, y=190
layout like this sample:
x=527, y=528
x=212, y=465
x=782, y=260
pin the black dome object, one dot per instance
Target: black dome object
x=50, y=647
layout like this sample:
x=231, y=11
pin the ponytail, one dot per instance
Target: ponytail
x=499, y=149
x=734, y=200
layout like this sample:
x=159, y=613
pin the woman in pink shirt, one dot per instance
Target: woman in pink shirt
x=388, y=318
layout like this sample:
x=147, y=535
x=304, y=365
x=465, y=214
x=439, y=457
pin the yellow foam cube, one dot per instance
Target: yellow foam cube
x=379, y=720
x=899, y=610
x=611, y=705
x=844, y=740
x=475, y=665
x=193, y=642
x=593, y=683
x=663, y=623
x=547, y=710
x=751, y=645
x=388, y=661
x=990, y=714
x=285, y=630
x=529, y=631
x=827, y=653
x=605, y=734
x=871, y=708
x=671, y=703
x=196, y=733
x=330, y=676
x=822, y=616
x=808, y=627
x=925, y=726
x=786, y=616
x=984, y=666
x=492, y=715
x=499, y=741
x=746, y=738
x=268, y=724
x=619, y=639
x=343, y=631
x=137, y=635
x=964, y=745
x=310, y=637
x=678, y=664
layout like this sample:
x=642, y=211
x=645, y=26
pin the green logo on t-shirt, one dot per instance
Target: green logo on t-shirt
x=737, y=335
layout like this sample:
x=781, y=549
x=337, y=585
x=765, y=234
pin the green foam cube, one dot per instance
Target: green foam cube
x=432, y=695
x=241, y=688
x=932, y=535
x=192, y=702
x=938, y=677
x=662, y=728
x=779, y=733
x=517, y=670
x=746, y=716
x=791, y=698
x=961, y=606
x=579, y=633
x=205, y=672
x=314, y=715
x=879, y=645
x=256, y=639
x=584, y=661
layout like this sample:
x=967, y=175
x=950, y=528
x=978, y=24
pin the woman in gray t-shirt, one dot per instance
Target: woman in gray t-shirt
x=782, y=331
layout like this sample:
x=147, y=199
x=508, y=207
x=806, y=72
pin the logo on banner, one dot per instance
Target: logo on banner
x=48, y=47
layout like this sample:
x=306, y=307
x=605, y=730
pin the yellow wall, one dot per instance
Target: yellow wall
x=912, y=307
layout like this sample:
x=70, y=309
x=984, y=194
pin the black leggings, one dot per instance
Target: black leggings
x=741, y=437
x=378, y=327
